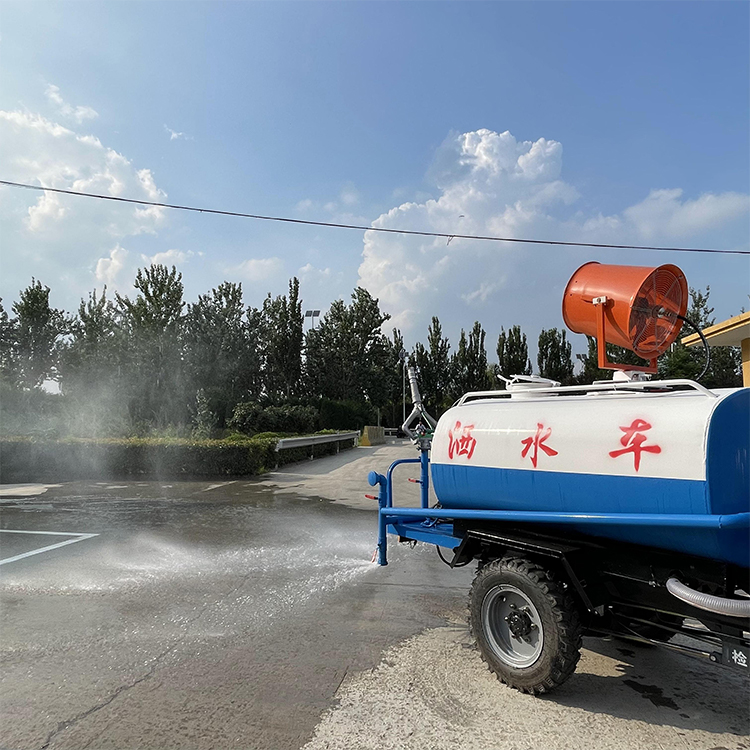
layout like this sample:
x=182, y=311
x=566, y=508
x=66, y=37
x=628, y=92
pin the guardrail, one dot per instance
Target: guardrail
x=310, y=440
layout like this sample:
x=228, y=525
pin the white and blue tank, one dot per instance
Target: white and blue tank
x=652, y=449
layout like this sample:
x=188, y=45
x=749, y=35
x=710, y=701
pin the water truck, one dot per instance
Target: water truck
x=615, y=509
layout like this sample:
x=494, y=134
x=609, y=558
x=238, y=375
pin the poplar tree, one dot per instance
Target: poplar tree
x=469, y=363
x=152, y=362
x=281, y=340
x=37, y=332
x=347, y=354
x=434, y=367
x=512, y=353
x=7, y=345
x=554, y=357
x=222, y=358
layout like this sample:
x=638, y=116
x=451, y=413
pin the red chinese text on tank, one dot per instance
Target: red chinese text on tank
x=634, y=440
x=460, y=441
x=537, y=442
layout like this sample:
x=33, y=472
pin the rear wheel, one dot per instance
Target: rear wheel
x=526, y=625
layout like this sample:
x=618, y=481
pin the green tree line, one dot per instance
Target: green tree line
x=152, y=362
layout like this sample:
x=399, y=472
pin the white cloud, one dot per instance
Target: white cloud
x=79, y=114
x=108, y=269
x=304, y=205
x=259, y=269
x=349, y=195
x=489, y=183
x=54, y=236
x=171, y=257
x=309, y=270
x=36, y=150
x=485, y=290
x=663, y=213
x=176, y=135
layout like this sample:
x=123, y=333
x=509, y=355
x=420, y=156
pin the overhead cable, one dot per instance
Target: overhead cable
x=445, y=235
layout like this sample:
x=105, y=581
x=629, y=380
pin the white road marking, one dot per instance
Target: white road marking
x=216, y=486
x=25, y=490
x=77, y=538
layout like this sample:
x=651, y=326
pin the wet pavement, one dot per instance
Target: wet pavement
x=201, y=615
x=247, y=614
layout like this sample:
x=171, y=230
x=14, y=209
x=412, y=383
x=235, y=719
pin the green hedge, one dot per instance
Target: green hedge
x=29, y=460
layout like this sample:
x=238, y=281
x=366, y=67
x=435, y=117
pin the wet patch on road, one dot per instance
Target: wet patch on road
x=653, y=693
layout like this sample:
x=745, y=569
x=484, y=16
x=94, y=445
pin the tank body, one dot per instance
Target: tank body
x=679, y=452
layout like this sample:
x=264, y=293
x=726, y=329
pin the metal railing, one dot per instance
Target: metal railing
x=310, y=440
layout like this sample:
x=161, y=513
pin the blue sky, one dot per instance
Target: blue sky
x=626, y=122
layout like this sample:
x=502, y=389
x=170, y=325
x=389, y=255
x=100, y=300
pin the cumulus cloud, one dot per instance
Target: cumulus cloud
x=259, y=269
x=59, y=235
x=108, y=269
x=490, y=183
x=79, y=114
x=42, y=152
x=171, y=257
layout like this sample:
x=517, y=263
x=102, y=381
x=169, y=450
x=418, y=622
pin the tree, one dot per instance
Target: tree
x=513, y=353
x=38, y=330
x=394, y=376
x=91, y=358
x=469, y=363
x=221, y=353
x=687, y=362
x=153, y=361
x=347, y=354
x=281, y=339
x=91, y=368
x=7, y=346
x=434, y=366
x=554, y=356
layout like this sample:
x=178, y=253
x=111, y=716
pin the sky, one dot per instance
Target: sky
x=617, y=122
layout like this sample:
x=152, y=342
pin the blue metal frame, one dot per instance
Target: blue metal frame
x=424, y=523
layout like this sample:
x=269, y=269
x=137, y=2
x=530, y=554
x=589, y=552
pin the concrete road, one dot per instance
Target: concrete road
x=247, y=614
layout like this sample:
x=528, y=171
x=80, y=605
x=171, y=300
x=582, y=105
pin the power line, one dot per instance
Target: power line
x=384, y=230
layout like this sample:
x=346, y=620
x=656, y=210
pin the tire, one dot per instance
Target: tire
x=527, y=628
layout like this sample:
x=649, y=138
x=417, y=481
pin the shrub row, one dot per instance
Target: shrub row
x=28, y=460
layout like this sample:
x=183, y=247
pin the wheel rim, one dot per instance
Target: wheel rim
x=512, y=625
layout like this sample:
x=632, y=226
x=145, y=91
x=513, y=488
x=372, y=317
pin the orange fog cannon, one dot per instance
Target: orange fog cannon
x=635, y=307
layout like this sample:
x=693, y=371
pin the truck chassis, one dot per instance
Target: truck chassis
x=541, y=585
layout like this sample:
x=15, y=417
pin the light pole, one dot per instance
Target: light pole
x=403, y=357
x=312, y=314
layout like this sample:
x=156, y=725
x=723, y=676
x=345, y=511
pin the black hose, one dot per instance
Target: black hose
x=707, y=363
x=448, y=562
